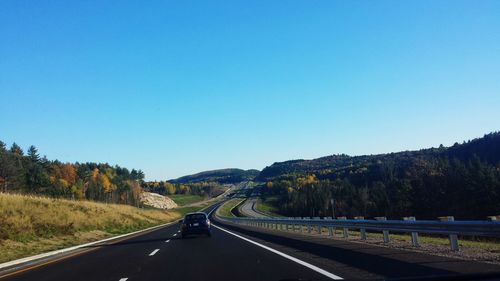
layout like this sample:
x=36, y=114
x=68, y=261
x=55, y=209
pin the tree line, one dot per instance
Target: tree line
x=29, y=173
x=462, y=180
x=206, y=189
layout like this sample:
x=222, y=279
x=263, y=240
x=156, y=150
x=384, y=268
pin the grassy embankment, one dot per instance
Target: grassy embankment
x=185, y=199
x=267, y=205
x=225, y=209
x=32, y=225
x=477, y=242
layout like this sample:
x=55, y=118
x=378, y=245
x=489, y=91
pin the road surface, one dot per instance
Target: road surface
x=240, y=253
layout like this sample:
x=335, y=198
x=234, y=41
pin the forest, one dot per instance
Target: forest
x=207, y=183
x=462, y=180
x=206, y=189
x=31, y=174
x=221, y=176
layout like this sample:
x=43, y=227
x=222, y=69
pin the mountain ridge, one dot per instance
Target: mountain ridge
x=226, y=175
x=487, y=148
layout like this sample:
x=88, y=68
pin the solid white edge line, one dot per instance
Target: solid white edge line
x=123, y=279
x=301, y=262
x=61, y=251
x=154, y=252
x=22, y=261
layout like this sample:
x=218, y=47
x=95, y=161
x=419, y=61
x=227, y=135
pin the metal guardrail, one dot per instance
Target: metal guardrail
x=445, y=226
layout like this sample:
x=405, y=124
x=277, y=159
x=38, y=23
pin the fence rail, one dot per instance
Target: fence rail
x=444, y=226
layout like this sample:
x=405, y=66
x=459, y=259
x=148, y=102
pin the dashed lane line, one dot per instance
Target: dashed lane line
x=154, y=252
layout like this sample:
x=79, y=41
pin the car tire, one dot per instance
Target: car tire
x=209, y=233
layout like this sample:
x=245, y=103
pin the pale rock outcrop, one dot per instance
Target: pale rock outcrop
x=157, y=201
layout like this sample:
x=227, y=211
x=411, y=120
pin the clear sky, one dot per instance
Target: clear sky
x=176, y=87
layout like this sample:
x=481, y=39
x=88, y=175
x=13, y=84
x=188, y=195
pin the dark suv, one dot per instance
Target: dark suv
x=195, y=223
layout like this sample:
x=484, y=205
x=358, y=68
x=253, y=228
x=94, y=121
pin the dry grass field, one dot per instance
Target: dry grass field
x=31, y=225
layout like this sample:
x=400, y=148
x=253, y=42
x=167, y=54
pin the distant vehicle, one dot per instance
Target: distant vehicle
x=195, y=223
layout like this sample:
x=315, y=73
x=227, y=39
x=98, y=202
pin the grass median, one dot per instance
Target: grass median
x=225, y=209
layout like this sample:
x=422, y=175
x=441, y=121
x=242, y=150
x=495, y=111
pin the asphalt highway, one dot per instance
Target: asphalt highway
x=240, y=253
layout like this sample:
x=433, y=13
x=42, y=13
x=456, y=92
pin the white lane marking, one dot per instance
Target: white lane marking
x=57, y=252
x=178, y=231
x=123, y=279
x=167, y=241
x=301, y=262
x=154, y=252
x=175, y=234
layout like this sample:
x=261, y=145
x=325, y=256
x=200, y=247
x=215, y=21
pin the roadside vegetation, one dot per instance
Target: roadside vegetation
x=186, y=199
x=190, y=209
x=31, y=225
x=29, y=173
x=490, y=244
x=225, y=209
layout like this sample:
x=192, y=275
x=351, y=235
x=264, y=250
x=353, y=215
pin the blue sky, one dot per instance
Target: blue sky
x=176, y=87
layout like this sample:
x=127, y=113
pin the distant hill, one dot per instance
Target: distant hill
x=487, y=149
x=221, y=176
x=462, y=180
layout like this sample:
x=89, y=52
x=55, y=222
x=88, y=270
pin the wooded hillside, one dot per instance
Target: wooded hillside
x=462, y=180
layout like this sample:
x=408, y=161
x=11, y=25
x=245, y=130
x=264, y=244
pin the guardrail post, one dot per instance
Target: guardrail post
x=345, y=230
x=453, y=237
x=318, y=229
x=385, y=232
x=362, y=231
x=330, y=229
x=414, y=235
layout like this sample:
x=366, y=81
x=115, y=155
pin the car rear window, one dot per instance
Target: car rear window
x=196, y=217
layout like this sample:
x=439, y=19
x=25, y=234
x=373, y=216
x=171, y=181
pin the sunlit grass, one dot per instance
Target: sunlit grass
x=32, y=225
x=185, y=199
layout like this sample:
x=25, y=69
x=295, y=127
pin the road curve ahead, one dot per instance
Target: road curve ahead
x=248, y=208
x=163, y=255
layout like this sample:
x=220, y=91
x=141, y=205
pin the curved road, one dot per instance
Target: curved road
x=248, y=208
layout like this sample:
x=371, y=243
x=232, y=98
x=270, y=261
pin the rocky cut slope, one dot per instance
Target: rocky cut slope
x=157, y=201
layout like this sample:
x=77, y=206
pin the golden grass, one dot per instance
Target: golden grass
x=30, y=225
